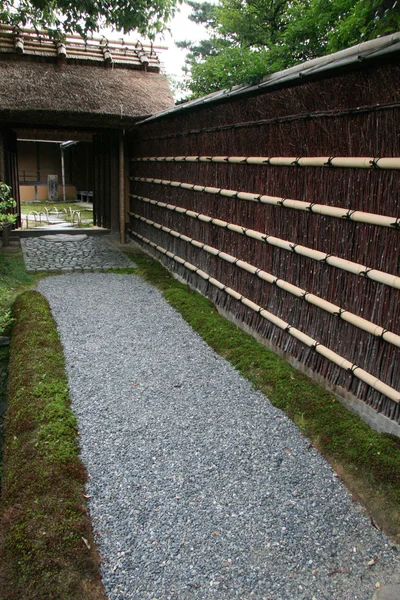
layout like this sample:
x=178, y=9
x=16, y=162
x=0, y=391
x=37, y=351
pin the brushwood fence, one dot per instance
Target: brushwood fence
x=283, y=208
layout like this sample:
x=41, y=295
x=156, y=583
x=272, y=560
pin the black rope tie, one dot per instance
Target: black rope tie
x=296, y=163
x=267, y=162
x=339, y=313
x=352, y=369
x=396, y=224
x=275, y=282
x=288, y=328
x=257, y=271
x=244, y=230
x=374, y=162
x=304, y=296
x=383, y=333
x=293, y=247
x=349, y=214
x=209, y=158
x=310, y=206
x=365, y=273
x=329, y=162
x=281, y=202
x=244, y=161
x=260, y=310
x=265, y=238
x=325, y=259
x=235, y=262
x=315, y=346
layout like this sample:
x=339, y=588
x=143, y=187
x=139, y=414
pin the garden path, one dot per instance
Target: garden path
x=198, y=487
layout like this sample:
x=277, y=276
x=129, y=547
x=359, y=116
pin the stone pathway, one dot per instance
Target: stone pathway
x=72, y=253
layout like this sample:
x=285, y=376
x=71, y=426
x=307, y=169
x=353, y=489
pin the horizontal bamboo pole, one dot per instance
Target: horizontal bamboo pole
x=342, y=362
x=322, y=209
x=77, y=51
x=334, y=261
x=329, y=307
x=50, y=48
x=355, y=162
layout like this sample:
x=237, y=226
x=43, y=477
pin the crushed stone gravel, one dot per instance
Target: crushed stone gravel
x=199, y=488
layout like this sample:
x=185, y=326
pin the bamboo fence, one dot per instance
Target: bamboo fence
x=319, y=280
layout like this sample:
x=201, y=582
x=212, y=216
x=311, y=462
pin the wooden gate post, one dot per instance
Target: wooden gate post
x=122, y=187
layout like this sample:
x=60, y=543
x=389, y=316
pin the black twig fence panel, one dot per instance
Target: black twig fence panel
x=349, y=260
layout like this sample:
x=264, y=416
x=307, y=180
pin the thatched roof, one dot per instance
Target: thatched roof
x=127, y=54
x=39, y=87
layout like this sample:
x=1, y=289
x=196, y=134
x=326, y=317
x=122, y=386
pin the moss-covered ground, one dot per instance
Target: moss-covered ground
x=46, y=550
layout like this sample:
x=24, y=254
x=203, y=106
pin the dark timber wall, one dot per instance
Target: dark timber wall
x=354, y=114
x=105, y=179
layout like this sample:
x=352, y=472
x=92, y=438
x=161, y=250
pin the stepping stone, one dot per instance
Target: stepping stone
x=64, y=237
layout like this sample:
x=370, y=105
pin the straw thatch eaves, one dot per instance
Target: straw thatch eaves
x=385, y=48
x=73, y=83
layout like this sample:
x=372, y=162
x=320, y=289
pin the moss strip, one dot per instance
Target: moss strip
x=46, y=530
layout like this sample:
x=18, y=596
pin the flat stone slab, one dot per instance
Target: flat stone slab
x=63, y=237
x=66, y=252
x=388, y=592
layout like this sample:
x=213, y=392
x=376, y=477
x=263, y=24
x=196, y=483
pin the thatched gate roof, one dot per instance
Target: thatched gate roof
x=100, y=83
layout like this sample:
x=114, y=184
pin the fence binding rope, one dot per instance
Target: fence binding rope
x=340, y=361
x=347, y=316
x=317, y=255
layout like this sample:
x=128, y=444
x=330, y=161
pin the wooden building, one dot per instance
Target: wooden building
x=90, y=92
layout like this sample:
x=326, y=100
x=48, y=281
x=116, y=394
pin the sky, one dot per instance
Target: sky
x=172, y=59
x=181, y=29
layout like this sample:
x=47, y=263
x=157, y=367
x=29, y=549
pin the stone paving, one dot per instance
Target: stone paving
x=72, y=253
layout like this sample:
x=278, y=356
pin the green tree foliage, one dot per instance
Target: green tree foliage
x=252, y=38
x=59, y=17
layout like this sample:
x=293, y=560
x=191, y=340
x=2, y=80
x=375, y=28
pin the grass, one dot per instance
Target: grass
x=13, y=280
x=27, y=207
x=367, y=461
x=45, y=527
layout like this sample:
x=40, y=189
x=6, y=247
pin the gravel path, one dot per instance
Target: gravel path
x=199, y=488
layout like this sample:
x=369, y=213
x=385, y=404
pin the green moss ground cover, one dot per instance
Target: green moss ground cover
x=45, y=528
